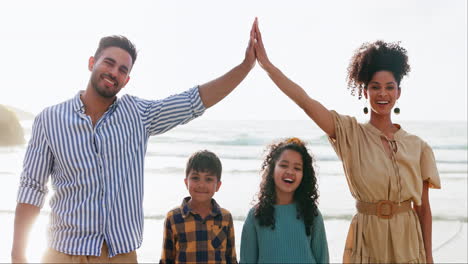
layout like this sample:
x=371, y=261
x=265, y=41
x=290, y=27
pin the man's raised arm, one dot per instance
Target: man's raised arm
x=215, y=90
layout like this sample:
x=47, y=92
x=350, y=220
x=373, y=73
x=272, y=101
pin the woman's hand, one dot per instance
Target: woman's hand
x=316, y=111
x=425, y=219
x=260, y=51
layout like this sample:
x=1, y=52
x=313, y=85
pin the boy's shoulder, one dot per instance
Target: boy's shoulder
x=225, y=212
x=175, y=213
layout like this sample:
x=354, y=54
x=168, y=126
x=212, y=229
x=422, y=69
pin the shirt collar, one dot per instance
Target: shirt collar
x=186, y=210
x=398, y=134
x=78, y=105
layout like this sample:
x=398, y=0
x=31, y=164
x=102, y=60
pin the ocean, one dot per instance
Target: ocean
x=240, y=146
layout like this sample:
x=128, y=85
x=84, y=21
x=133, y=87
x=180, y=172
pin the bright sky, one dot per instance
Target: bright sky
x=46, y=45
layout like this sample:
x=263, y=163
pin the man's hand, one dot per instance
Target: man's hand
x=18, y=259
x=250, y=57
x=214, y=91
x=25, y=216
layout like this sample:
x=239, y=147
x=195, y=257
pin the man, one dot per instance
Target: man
x=93, y=147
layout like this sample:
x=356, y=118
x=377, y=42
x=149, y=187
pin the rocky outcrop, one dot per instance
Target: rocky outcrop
x=11, y=132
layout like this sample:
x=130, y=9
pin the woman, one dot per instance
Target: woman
x=388, y=170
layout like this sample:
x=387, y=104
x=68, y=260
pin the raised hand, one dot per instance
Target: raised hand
x=214, y=91
x=316, y=111
x=250, y=57
x=260, y=51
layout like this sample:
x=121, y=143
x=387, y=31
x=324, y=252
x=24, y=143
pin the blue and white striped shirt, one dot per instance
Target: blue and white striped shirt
x=97, y=172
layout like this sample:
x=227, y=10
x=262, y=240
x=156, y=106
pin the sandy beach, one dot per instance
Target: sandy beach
x=449, y=240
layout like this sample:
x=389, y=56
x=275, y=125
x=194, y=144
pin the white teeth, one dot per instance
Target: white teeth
x=288, y=180
x=109, y=81
x=382, y=102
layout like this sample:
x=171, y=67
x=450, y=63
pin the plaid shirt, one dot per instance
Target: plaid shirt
x=190, y=239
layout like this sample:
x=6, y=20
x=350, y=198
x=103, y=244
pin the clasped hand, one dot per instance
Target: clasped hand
x=256, y=50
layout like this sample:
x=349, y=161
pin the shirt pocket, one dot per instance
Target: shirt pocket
x=218, y=237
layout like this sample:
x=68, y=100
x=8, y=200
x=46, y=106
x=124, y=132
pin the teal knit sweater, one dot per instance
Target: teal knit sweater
x=287, y=243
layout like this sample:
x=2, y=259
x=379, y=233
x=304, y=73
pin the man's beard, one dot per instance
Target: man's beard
x=102, y=91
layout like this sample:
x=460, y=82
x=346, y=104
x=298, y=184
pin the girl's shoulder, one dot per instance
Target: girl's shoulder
x=319, y=215
x=318, y=220
x=250, y=218
x=251, y=212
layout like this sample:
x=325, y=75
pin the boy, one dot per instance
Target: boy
x=200, y=231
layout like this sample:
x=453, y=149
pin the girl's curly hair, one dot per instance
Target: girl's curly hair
x=305, y=196
x=373, y=57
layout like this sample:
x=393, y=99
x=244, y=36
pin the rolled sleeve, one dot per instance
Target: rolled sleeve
x=160, y=116
x=36, y=167
x=345, y=127
x=429, y=170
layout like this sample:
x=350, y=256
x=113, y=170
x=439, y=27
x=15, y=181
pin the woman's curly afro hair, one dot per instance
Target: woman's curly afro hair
x=373, y=57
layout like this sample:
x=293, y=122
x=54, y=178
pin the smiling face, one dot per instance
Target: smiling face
x=202, y=186
x=288, y=174
x=382, y=92
x=110, y=71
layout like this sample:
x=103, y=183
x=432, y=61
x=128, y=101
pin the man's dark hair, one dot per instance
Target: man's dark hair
x=204, y=161
x=119, y=42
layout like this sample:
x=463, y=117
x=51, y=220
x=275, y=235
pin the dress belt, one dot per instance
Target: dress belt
x=384, y=209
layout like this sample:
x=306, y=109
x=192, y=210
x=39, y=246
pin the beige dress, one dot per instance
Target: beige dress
x=373, y=176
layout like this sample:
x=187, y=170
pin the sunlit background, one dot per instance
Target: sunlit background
x=46, y=45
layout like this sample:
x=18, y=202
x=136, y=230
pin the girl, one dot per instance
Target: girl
x=388, y=170
x=285, y=226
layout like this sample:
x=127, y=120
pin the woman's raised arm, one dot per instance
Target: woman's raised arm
x=315, y=110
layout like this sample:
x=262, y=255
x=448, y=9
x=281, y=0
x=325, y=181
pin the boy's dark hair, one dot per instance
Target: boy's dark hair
x=118, y=41
x=204, y=161
x=373, y=57
x=306, y=195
